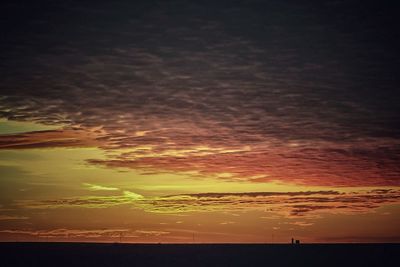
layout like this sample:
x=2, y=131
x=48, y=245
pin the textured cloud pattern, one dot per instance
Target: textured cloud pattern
x=287, y=204
x=277, y=91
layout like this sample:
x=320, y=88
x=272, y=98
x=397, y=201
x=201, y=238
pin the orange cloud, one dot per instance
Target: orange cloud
x=86, y=233
x=315, y=166
x=361, y=163
x=286, y=204
x=51, y=138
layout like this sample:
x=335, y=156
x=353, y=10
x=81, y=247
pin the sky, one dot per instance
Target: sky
x=199, y=121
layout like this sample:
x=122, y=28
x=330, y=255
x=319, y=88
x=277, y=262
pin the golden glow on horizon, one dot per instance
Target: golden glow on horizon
x=57, y=193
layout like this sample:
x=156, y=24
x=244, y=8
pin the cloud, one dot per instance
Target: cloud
x=49, y=138
x=151, y=233
x=301, y=223
x=300, y=165
x=126, y=197
x=295, y=105
x=285, y=204
x=8, y=217
x=94, y=187
x=263, y=194
x=86, y=233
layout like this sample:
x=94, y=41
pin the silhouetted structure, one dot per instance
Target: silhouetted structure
x=297, y=241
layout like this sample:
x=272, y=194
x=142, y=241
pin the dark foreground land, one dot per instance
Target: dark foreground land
x=89, y=254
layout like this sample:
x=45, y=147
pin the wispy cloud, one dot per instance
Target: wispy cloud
x=63, y=233
x=301, y=223
x=151, y=233
x=10, y=217
x=86, y=233
x=54, y=233
x=50, y=138
x=94, y=187
x=126, y=197
x=286, y=204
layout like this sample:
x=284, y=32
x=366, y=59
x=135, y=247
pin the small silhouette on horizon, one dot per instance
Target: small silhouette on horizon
x=297, y=241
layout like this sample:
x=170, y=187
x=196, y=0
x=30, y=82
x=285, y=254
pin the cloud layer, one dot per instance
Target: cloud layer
x=211, y=89
x=85, y=233
x=286, y=204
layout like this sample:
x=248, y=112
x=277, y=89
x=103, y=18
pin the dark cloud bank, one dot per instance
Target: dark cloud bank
x=307, y=91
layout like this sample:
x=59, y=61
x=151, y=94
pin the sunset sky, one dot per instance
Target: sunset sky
x=199, y=121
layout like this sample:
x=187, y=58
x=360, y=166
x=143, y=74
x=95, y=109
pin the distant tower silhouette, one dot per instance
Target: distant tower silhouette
x=292, y=240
